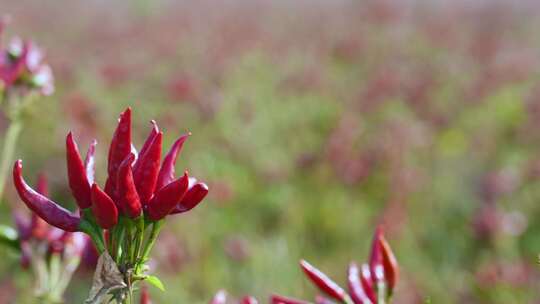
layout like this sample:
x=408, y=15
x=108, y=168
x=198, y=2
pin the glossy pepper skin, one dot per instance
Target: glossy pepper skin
x=196, y=192
x=77, y=174
x=356, y=290
x=90, y=162
x=45, y=208
x=103, y=208
x=39, y=227
x=390, y=265
x=167, y=198
x=146, y=169
x=128, y=198
x=323, y=282
x=166, y=172
x=119, y=149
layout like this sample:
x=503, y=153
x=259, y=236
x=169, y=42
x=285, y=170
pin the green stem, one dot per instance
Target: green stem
x=381, y=293
x=156, y=227
x=8, y=150
x=96, y=236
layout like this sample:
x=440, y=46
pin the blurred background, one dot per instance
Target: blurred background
x=312, y=122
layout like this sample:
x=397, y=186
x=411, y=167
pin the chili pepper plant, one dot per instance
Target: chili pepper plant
x=124, y=217
x=372, y=283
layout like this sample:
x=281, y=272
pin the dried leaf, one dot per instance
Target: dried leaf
x=107, y=278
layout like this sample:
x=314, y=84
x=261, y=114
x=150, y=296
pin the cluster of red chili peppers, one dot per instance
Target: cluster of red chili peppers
x=371, y=283
x=22, y=67
x=124, y=219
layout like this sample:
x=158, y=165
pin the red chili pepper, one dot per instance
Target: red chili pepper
x=48, y=210
x=120, y=147
x=39, y=227
x=193, y=197
x=166, y=173
x=356, y=290
x=167, y=198
x=103, y=208
x=277, y=299
x=150, y=138
x=146, y=169
x=390, y=265
x=367, y=283
x=219, y=298
x=323, y=282
x=78, y=181
x=90, y=162
x=145, y=296
x=375, y=257
x=249, y=300
x=128, y=199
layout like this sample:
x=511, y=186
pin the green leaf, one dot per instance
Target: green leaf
x=156, y=282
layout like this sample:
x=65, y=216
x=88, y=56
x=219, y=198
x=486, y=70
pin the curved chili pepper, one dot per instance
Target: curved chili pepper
x=356, y=289
x=146, y=169
x=390, y=265
x=166, y=173
x=323, y=282
x=192, y=198
x=78, y=181
x=219, y=298
x=103, y=208
x=167, y=198
x=90, y=162
x=120, y=146
x=39, y=227
x=277, y=299
x=128, y=199
x=48, y=210
x=367, y=283
x=249, y=300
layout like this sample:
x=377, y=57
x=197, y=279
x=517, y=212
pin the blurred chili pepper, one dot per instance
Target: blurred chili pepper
x=390, y=265
x=323, y=282
x=277, y=299
x=145, y=296
x=249, y=300
x=356, y=290
x=219, y=298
